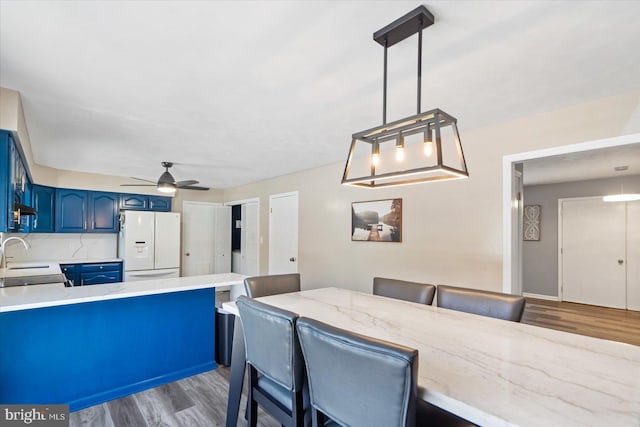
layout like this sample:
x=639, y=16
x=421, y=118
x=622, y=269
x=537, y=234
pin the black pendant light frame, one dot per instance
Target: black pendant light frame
x=429, y=122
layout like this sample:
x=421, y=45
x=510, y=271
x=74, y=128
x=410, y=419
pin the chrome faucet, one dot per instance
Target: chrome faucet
x=3, y=258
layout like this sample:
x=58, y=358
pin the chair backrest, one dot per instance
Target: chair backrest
x=271, y=342
x=262, y=286
x=357, y=380
x=484, y=303
x=421, y=293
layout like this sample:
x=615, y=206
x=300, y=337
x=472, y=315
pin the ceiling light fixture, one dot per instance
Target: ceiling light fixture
x=621, y=197
x=430, y=164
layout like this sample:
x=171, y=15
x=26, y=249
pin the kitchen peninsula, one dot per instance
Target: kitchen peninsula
x=89, y=344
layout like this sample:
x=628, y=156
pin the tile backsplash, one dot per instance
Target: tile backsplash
x=62, y=246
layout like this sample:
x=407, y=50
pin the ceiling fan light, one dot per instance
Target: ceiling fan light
x=166, y=187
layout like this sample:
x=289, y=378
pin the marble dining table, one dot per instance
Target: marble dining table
x=491, y=372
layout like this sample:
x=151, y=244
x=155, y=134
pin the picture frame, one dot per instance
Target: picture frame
x=377, y=221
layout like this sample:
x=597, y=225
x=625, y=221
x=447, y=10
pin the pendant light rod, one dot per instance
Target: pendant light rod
x=384, y=88
x=419, y=67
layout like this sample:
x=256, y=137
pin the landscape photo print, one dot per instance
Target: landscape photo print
x=377, y=221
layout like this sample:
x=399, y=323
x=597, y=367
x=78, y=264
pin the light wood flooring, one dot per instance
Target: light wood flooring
x=600, y=322
x=201, y=400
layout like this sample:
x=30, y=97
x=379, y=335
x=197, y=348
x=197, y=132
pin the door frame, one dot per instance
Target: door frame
x=510, y=258
x=277, y=196
x=256, y=201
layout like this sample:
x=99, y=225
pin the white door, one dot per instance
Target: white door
x=249, y=239
x=198, y=233
x=283, y=233
x=593, y=252
x=167, y=236
x=633, y=255
x=222, y=249
x=138, y=236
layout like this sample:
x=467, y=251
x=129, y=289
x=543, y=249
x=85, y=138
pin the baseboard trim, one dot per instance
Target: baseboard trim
x=85, y=402
x=540, y=296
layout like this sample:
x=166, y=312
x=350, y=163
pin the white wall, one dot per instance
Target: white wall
x=452, y=230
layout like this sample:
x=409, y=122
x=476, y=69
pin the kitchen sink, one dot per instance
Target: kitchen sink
x=32, y=280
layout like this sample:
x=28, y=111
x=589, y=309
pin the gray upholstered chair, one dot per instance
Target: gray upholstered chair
x=484, y=303
x=358, y=381
x=421, y=293
x=276, y=367
x=262, y=286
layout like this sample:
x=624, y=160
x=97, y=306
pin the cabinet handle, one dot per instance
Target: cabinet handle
x=620, y=261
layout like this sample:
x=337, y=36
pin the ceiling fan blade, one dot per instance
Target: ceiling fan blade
x=142, y=179
x=187, y=182
x=138, y=185
x=193, y=187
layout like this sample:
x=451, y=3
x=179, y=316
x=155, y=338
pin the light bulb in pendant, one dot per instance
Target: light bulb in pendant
x=428, y=143
x=428, y=148
x=400, y=148
x=375, y=156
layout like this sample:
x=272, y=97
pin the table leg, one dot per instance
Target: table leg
x=238, y=363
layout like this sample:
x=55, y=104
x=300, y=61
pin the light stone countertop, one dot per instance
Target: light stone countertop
x=38, y=296
x=489, y=371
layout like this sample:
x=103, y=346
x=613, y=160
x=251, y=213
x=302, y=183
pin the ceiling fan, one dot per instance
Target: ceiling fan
x=166, y=183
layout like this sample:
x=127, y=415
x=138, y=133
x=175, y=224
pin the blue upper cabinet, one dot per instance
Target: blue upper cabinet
x=14, y=185
x=159, y=203
x=71, y=211
x=103, y=212
x=141, y=202
x=5, y=208
x=136, y=202
x=43, y=201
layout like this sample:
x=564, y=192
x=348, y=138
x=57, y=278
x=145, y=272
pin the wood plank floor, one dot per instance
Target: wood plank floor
x=201, y=400
x=600, y=322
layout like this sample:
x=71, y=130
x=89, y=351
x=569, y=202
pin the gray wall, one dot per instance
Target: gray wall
x=540, y=259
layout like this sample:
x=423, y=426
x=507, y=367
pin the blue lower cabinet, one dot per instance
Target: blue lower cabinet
x=71, y=272
x=93, y=273
x=89, y=353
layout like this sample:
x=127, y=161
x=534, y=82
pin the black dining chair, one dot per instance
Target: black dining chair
x=359, y=381
x=421, y=293
x=485, y=303
x=276, y=367
x=262, y=286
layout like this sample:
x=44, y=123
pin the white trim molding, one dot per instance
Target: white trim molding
x=508, y=163
x=540, y=296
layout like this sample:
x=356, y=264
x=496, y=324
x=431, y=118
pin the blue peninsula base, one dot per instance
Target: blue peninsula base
x=88, y=353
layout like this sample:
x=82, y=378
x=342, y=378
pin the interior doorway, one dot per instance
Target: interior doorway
x=512, y=256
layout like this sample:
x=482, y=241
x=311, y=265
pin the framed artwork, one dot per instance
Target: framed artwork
x=531, y=226
x=377, y=221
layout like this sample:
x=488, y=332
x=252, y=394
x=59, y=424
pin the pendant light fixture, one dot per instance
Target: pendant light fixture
x=423, y=152
x=622, y=196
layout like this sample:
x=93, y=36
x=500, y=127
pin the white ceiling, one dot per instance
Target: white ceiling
x=242, y=91
x=591, y=164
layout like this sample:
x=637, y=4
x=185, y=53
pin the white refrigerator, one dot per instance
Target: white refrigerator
x=149, y=244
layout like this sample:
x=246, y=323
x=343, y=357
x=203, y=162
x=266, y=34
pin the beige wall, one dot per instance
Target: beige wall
x=12, y=118
x=452, y=231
